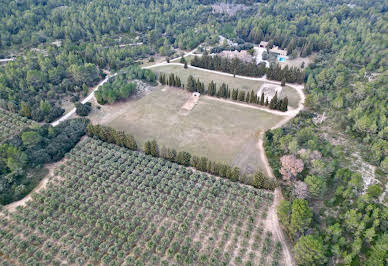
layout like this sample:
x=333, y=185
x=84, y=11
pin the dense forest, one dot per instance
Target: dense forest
x=330, y=215
x=31, y=148
x=34, y=85
x=236, y=66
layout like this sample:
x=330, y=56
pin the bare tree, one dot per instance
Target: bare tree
x=291, y=166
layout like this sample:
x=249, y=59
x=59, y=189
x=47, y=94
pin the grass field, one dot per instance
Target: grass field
x=107, y=205
x=236, y=83
x=221, y=131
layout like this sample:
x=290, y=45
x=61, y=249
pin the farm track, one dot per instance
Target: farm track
x=272, y=219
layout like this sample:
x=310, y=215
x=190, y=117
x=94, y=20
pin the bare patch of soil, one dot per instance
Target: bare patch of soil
x=191, y=103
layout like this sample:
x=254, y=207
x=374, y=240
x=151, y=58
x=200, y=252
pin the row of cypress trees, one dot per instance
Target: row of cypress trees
x=224, y=92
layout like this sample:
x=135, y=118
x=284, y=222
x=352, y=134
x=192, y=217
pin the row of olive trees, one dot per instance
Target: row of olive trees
x=113, y=200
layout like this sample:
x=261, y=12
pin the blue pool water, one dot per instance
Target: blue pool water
x=282, y=59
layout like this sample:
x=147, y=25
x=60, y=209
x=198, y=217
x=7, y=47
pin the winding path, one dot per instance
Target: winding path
x=87, y=99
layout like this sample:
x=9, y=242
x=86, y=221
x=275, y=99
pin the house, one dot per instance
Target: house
x=275, y=50
x=263, y=44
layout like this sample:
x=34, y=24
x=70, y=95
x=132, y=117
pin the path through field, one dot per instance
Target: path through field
x=272, y=222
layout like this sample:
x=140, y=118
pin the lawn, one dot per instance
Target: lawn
x=236, y=83
x=110, y=206
x=221, y=131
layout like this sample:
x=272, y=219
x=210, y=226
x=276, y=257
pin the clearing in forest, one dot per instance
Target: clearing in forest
x=110, y=205
x=219, y=130
x=233, y=83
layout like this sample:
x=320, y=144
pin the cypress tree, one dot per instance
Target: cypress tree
x=234, y=94
x=262, y=99
x=253, y=97
x=285, y=104
x=198, y=85
x=147, y=147
x=274, y=101
x=241, y=96
x=154, y=148
x=280, y=105
x=178, y=82
x=191, y=86
x=266, y=102
x=248, y=97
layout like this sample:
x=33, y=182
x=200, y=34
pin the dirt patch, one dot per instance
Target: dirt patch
x=243, y=55
x=270, y=90
x=191, y=102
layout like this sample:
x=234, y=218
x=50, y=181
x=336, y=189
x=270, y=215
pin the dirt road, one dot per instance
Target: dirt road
x=87, y=99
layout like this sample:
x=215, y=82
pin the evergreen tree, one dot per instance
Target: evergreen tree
x=248, y=97
x=274, y=101
x=154, y=148
x=262, y=99
x=283, y=82
x=191, y=84
x=147, y=147
x=266, y=102
x=212, y=88
x=241, y=96
x=234, y=94
x=178, y=82
x=284, y=107
x=185, y=65
x=252, y=98
x=279, y=105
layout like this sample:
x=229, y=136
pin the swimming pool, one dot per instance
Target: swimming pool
x=282, y=59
